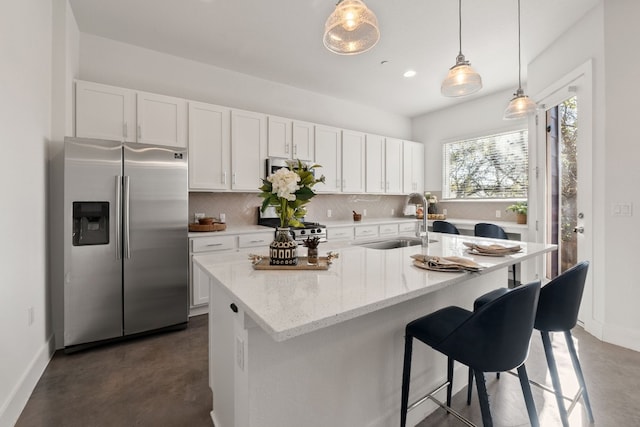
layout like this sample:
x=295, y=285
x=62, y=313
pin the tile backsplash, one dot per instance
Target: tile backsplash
x=242, y=208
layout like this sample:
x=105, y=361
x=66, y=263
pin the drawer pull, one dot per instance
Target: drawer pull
x=257, y=241
x=214, y=244
x=233, y=307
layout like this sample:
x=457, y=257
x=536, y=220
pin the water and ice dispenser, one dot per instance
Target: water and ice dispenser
x=90, y=223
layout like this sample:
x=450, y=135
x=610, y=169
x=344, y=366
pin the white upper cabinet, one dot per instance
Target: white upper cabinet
x=328, y=155
x=290, y=139
x=109, y=112
x=162, y=120
x=279, y=137
x=209, y=147
x=303, y=141
x=105, y=112
x=248, y=149
x=353, y=159
x=375, y=164
x=393, y=166
x=413, y=164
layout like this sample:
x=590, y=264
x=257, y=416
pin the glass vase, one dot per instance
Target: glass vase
x=312, y=256
x=283, y=250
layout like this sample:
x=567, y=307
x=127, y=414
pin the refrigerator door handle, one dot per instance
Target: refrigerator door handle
x=118, y=217
x=125, y=217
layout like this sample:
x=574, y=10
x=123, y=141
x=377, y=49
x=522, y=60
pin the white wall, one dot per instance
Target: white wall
x=478, y=116
x=25, y=114
x=110, y=62
x=621, y=174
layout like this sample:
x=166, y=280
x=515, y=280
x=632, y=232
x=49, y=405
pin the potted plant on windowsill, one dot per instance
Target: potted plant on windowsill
x=520, y=209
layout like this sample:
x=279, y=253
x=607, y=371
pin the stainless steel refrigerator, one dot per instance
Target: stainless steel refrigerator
x=126, y=243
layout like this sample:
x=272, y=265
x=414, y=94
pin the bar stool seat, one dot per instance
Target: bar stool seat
x=557, y=311
x=487, y=340
x=444, y=227
x=493, y=231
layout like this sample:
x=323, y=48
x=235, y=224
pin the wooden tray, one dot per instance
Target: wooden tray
x=216, y=226
x=323, y=264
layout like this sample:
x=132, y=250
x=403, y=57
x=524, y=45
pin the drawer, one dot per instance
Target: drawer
x=339, y=233
x=214, y=243
x=388, y=229
x=257, y=239
x=366, y=231
x=408, y=227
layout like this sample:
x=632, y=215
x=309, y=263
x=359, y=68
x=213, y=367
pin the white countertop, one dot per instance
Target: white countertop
x=286, y=304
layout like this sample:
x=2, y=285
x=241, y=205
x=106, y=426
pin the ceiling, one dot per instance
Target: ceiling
x=281, y=41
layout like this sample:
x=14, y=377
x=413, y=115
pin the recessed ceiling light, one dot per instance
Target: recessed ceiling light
x=409, y=73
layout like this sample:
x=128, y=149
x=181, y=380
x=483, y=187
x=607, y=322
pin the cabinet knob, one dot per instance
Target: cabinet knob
x=233, y=307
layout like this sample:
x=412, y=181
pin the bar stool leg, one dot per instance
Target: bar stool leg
x=555, y=379
x=406, y=376
x=450, y=380
x=483, y=397
x=578, y=369
x=469, y=386
x=528, y=397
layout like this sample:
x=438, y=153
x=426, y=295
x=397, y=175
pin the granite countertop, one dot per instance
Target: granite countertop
x=286, y=303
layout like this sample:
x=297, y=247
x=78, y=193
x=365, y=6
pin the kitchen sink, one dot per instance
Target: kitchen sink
x=393, y=243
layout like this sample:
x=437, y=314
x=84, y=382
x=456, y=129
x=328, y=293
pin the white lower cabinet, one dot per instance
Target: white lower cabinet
x=199, y=280
x=339, y=233
x=365, y=231
x=389, y=229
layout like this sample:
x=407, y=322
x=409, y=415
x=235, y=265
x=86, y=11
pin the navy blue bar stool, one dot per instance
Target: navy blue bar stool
x=444, y=227
x=558, y=308
x=483, y=229
x=490, y=339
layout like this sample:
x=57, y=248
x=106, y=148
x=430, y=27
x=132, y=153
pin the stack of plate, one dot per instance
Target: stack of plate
x=448, y=263
x=491, y=249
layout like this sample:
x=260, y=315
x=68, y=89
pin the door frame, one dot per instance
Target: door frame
x=578, y=82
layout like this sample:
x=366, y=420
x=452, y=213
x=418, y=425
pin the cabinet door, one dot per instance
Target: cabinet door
x=303, y=141
x=393, y=166
x=413, y=165
x=279, y=137
x=353, y=158
x=328, y=155
x=209, y=147
x=162, y=120
x=248, y=149
x=375, y=180
x=199, y=285
x=105, y=112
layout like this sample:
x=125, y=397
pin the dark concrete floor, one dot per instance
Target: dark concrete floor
x=158, y=380
x=162, y=380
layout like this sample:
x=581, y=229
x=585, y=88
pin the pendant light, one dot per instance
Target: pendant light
x=462, y=80
x=520, y=105
x=351, y=29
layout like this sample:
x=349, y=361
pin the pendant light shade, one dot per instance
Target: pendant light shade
x=520, y=105
x=351, y=29
x=462, y=80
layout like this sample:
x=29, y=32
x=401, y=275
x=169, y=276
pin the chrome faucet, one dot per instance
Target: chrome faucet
x=421, y=229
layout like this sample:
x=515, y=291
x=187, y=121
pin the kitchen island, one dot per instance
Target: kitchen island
x=325, y=348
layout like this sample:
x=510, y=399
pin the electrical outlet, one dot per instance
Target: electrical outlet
x=364, y=212
x=223, y=217
x=328, y=213
x=498, y=213
x=393, y=211
x=444, y=212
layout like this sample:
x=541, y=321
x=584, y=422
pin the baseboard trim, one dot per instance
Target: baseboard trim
x=17, y=400
x=621, y=336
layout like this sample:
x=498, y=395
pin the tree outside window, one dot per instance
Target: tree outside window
x=489, y=167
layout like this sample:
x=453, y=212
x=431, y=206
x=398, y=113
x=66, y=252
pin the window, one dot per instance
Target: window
x=489, y=167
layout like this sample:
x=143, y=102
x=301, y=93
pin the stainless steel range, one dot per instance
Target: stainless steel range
x=311, y=229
